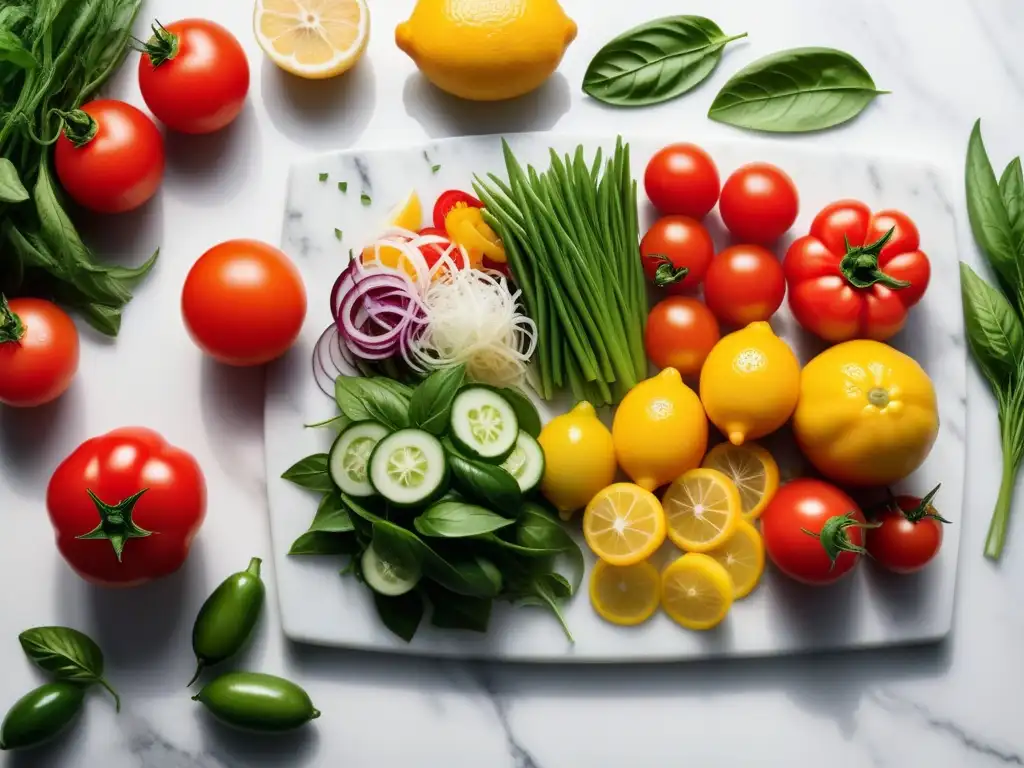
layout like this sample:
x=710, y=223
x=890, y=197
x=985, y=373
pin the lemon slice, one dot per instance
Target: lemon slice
x=625, y=595
x=752, y=469
x=408, y=214
x=701, y=508
x=742, y=556
x=624, y=524
x=696, y=591
x=314, y=39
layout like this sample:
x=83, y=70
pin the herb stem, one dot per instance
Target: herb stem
x=1001, y=515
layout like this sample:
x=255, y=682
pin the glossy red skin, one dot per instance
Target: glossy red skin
x=682, y=179
x=39, y=367
x=203, y=87
x=901, y=546
x=820, y=296
x=433, y=253
x=449, y=200
x=121, y=167
x=744, y=284
x=680, y=333
x=808, y=503
x=115, y=466
x=244, y=303
x=759, y=203
x=687, y=244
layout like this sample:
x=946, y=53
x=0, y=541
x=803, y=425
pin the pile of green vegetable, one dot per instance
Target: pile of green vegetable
x=573, y=246
x=54, y=55
x=430, y=490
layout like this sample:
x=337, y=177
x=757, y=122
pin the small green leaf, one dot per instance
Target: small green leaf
x=13, y=50
x=310, y=472
x=457, y=520
x=343, y=186
x=365, y=199
x=11, y=188
x=487, y=484
x=68, y=654
x=994, y=331
x=132, y=275
x=402, y=614
x=106, y=320
x=314, y=543
x=363, y=399
x=526, y=412
x=430, y=406
x=1011, y=188
x=337, y=233
x=452, y=611
x=332, y=515
x=323, y=176
x=435, y=169
x=990, y=221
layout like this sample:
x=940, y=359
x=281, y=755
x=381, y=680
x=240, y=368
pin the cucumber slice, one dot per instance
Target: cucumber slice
x=350, y=457
x=483, y=424
x=386, y=578
x=526, y=462
x=409, y=468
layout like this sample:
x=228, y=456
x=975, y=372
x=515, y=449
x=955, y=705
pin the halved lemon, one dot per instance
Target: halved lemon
x=408, y=214
x=742, y=556
x=753, y=470
x=696, y=591
x=625, y=595
x=624, y=524
x=315, y=39
x=702, y=508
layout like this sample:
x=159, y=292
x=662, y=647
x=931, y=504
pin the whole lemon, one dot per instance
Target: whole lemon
x=750, y=383
x=579, y=459
x=486, y=50
x=660, y=430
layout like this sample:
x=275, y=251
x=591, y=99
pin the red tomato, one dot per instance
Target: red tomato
x=449, y=200
x=115, y=169
x=38, y=352
x=194, y=76
x=833, y=541
x=682, y=179
x=909, y=534
x=244, y=302
x=744, y=284
x=125, y=507
x=865, y=292
x=433, y=252
x=680, y=333
x=759, y=203
x=676, y=252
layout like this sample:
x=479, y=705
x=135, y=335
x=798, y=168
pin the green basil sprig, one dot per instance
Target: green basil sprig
x=430, y=406
x=362, y=399
x=67, y=654
x=310, y=472
x=458, y=520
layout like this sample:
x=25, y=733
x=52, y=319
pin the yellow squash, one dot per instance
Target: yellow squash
x=867, y=414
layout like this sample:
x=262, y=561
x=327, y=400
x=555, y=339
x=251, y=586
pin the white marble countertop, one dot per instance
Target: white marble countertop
x=956, y=704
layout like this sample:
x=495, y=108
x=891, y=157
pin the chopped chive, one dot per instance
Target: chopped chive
x=365, y=199
x=323, y=176
x=337, y=233
x=435, y=169
x=343, y=186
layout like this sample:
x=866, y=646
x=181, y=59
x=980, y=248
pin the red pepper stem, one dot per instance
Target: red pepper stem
x=860, y=264
x=161, y=47
x=12, y=330
x=834, y=537
x=116, y=524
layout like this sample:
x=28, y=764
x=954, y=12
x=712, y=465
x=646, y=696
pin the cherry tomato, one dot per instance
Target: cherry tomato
x=38, y=352
x=682, y=179
x=453, y=198
x=244, y=302
x=680, y=334
x=115, y=169
x=909, y=534
x=813, y=531
x=759, y=203
x=744, y=284
x=194, y=76
x=674, y=244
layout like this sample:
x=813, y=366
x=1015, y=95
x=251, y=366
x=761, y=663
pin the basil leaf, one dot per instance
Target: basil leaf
x=538, y=529
x=486, y=483
x=430, y=407
x=13, y=50
x=656, y=61
x=990, y=221
x=310, y=472
x=402, y=614
x=332, y=516
x=452, y=611
x=457, y=520
x=544, y=589
x=368, y=400
x=106, y=320
x=11, y=188
x=132, y=275
x=401, y=390
x=32, y=250
x=994, y=331
x=398, y=546
x=1011, y=189
x=68, y=654
x=325, y=543
x=518, y=549
x=526, y=412
x=803, y=89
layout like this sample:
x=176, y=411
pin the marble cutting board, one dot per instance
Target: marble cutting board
x=780, y=617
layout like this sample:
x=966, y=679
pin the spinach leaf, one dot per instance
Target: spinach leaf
x=11, y=188
x=13, y=50
x=452, y=611
x=430, y=406
x=1011, y=188
x=325, y=543
x=526, y=412
x=310, y=472
x=68, y=654
x=332, y=515
x=656, y=61
x=402, y=614
x=990, y=221
x=803, y=89
x=458, y=520
x=486, y=483
x=368, y=400
x=994, y=331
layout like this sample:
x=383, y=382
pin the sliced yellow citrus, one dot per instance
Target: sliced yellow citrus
x=625, y=595
x=742, y=556
x=391, y=257
x=701, y=508
x=408, y=214
x=315, y=39
x=696, y=591
x=624, y=524
x=752, y=469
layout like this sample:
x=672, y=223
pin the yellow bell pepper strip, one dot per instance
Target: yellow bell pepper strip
x=466, y=226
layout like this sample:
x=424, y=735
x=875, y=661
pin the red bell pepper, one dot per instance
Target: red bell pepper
x=125, y=507
x=856, y=275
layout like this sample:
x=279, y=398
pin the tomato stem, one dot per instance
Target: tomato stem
x=923, y=509
x=79, y=127
x=834, y=537
x=11, y=327
x=860, y=264
x=116, y=524
x=667, y=273
x=161, y=47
